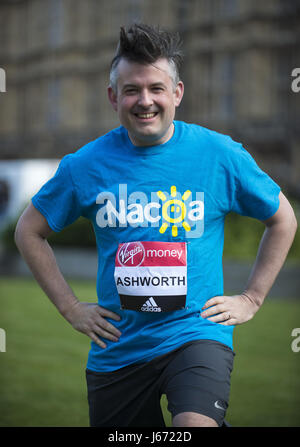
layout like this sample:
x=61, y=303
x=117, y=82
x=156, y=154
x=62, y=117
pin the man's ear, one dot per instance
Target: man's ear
x=179, y=93
x=112, y=97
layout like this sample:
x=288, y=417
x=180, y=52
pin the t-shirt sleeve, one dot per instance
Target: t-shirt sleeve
x=257, y=195
x=57, y=199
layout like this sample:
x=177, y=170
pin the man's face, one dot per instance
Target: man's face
x=146, y=100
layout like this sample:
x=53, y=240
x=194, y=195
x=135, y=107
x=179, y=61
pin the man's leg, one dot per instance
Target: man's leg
x=190, y=419
x=124, y=398
x=197, y=384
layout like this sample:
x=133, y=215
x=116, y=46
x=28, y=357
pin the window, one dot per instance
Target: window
x=53, y=109
x=226, y=76
x=55, y=22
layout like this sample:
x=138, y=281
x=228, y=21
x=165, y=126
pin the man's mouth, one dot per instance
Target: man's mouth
x=146, y=116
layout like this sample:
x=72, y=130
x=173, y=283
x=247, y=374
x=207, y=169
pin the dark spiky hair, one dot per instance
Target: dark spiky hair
x=146, y=44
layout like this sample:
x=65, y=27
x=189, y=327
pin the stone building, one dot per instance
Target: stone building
x=240, y=55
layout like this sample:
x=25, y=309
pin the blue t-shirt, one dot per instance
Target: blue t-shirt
x=127, y=191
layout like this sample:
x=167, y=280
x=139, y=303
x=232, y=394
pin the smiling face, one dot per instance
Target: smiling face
x=146, y=100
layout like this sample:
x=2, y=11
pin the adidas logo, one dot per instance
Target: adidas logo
x=150, y=306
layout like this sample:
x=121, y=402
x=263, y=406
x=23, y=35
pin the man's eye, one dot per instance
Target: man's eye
x=130, y=91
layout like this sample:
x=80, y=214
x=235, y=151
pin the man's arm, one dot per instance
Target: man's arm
x=31, y=235
x=273, y=249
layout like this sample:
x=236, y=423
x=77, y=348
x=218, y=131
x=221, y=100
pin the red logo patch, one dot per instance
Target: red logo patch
x=131, y=254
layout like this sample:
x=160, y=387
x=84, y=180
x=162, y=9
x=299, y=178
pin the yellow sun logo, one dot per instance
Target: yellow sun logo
x=176, y=207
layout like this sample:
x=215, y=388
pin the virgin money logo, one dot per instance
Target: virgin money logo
x=131, y=254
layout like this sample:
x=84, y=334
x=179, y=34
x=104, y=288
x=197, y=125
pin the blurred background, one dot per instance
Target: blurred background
x=239, y=59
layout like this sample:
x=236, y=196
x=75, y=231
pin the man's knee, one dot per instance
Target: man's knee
x=191, y=419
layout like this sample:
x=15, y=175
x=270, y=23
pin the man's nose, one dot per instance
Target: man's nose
x=145, y=98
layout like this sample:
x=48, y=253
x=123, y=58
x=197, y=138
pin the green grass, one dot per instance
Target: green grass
x=42, y=372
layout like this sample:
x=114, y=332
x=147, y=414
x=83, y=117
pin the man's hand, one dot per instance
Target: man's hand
x=273, y=249
x=90, y=319
x=31, y=239
x=229, y=310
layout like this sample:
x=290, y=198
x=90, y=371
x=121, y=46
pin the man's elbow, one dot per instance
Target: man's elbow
x=284, y=218
x=289, y=224
x=25, y=228
x=294, y=223
x=31, y=225
x=20, y=232
x=290, y=217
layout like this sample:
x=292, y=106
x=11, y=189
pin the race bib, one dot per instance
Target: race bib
x=151, y=276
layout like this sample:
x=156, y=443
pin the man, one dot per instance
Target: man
x=157, y=191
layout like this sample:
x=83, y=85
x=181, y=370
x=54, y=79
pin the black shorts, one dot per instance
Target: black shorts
x=194, y=377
